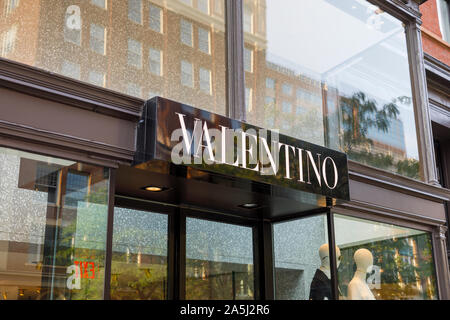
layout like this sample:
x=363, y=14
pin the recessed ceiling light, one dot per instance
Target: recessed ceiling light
x=153, y=188
x=249, y=205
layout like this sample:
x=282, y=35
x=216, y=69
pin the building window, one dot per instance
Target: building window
x=218, y=8
x=135, y=10
x=205, y=80
x=72, y=25
x=287, y=107
x=248, y=99
x=248, y=59
x=97, y=39
x=187, y=72
x=203, y=40
x=99, y=3
x=269, y=102
x=155, y=18
x=443, y=7
x=76, y=188
x=70, y=69
x=77, y=194
x=134, y=90
x=270, y=83
x=186, y=32
x=287, y=89
x=11, y=5
x=248, y=19
x=299, y=110
x=134, y=53
x=203, y=6
x=97, y=78
x=9, y=41
x=396, y=261
x=155, y=61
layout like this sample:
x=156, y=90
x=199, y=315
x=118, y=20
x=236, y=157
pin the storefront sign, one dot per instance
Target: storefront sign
x=183, y=135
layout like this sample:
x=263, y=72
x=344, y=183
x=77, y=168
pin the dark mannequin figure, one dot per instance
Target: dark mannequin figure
x=321, y=283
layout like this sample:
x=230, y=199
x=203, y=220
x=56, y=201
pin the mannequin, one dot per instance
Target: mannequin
x=321, y=283
x=358, y=288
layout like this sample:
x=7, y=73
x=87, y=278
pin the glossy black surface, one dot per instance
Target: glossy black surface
x=214, y=185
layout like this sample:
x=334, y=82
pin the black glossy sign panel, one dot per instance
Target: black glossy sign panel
x=182, y=135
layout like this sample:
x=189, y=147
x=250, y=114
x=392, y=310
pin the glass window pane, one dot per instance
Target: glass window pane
x=97, y=78
x=205, y=80
x=53, y=216
x=203, y=40
x=352, y=79
x=72, y=25
x=135, y=10
x=186, y=74
x=155, y=18
x=99, y=3
x=302, y=264
x=186, y=32
x=134, y=53
x=45, y=33
x=219, y=261
x=384, y=262
x=70, y=69
x=155, y=61
x=139, y=260
x=97, y=39
x=203, y=6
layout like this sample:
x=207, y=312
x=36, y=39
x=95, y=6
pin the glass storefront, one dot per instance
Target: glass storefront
x=344, y=84
x=384, y=262
x=53, y=216
x=219, y=261
x=302, y=265
x=174, y=49
x=139, y=259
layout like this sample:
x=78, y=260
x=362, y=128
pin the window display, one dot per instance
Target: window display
x=384, y=262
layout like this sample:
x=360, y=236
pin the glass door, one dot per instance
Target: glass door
x=302, y=263
x=219, y=261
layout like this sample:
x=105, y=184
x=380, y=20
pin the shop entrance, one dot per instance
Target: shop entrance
x=177, y=243
x=162, y=251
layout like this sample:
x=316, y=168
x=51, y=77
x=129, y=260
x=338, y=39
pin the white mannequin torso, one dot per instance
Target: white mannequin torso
x=358, y=288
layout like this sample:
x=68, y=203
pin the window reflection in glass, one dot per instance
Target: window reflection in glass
x=219, y=261
x=53, y=215
x=120, y=39
x=350, y=75
x=384, y=262
x=302, y=269
x=139, y=260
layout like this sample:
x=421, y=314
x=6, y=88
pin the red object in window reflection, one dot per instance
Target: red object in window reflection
x=87, y=269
